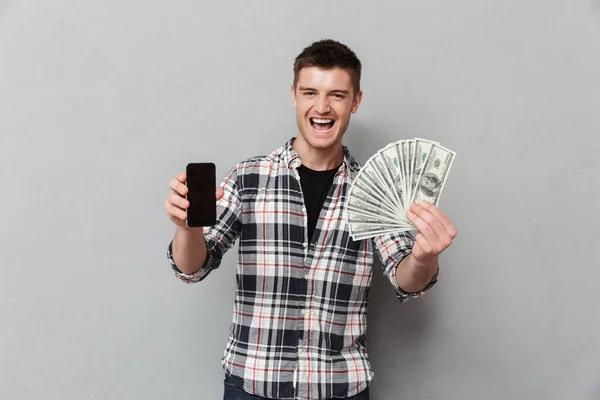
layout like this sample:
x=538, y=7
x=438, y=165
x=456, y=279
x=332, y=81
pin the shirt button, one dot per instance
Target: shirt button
x=300, y=349
x=306, y=276
x=305, y=244
x=302, y=312
x=303, y=209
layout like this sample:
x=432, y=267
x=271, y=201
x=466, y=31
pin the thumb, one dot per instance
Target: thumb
x=220, y=193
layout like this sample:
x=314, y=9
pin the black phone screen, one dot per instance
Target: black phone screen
x=201, y=183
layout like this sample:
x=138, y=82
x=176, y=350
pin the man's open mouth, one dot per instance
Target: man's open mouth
x=321, y=125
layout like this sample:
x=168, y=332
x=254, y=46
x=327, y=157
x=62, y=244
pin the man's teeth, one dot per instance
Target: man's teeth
x=322, y=121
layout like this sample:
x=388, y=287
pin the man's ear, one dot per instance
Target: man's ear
x=356, y=101
x=293, y=89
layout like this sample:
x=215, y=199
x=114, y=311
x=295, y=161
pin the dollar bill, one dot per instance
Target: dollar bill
x=354, y=215
x=388, y=175
x=368, y=233
x=369, y=181
x=410, y=163
x=400, y=183
x=360, y=195
x=391, y=163
x=433, y=175
x=371, y=234
x=422, y=148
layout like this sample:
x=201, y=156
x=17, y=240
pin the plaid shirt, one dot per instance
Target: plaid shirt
x=300, y=310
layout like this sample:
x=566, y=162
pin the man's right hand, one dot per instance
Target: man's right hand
x=176, y=205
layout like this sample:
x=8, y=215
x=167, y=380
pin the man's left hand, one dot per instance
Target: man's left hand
x=435, y=234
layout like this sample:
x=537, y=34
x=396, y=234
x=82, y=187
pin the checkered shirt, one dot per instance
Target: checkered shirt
x=300, y=309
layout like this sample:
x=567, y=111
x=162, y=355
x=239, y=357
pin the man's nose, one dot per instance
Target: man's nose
x=322, y=105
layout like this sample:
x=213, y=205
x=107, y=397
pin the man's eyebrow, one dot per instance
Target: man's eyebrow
x=305, y=88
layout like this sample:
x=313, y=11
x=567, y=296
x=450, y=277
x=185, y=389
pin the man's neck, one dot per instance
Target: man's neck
x=319, y=159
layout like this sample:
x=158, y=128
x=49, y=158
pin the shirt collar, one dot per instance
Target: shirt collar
x=292, y=159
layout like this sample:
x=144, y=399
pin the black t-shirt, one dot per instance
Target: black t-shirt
x=315, y=187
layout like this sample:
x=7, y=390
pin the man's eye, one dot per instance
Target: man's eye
x=308, y=93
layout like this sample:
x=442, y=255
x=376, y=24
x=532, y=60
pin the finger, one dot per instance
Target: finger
x=435, y=223
x=178, y=187
x=175, y=212
x=220, y=193
x=178, y=201
x=450, y=228
x=425, y=222
x=423, y=227
x=181, y=177
x=426, y=247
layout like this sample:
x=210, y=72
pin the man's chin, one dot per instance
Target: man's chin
x=322, y=134
x=321, y=139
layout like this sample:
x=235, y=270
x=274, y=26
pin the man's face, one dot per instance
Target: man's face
x=324, y=100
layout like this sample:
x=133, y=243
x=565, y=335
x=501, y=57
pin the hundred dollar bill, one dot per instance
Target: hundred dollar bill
x=372, y=225
x=370, y=221
x=364, y=231
x=359, y=228
x=433, y=175
x=352, y=212
x=360, y=194
x=392, y=195
x=356, y=205
x=406, y=162
x=404, y=234
x=369, y=184
x=392, y=166
x=401, y=162
x=422, y=148
x=367, y=220
x=371, y=234
x=411, y=164
x=375, y=169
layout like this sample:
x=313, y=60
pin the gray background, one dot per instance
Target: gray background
x=102, y=102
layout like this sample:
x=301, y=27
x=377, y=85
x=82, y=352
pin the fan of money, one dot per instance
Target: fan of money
x=402, y=173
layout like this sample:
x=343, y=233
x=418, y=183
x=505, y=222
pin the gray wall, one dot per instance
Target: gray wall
x=102, y=102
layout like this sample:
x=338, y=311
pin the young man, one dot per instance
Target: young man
x=299, y=320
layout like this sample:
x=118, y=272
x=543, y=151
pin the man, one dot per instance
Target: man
x=299, y=321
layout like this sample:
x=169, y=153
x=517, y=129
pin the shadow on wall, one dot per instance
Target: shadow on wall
x=396, y=335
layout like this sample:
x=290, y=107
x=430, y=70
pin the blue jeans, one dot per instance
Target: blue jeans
x=232, y=392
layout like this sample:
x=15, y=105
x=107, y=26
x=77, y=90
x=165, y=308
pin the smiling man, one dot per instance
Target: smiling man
x=299, y=318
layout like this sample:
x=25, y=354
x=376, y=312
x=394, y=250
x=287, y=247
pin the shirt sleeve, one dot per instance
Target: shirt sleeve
x=392, y=248
x=219, y=237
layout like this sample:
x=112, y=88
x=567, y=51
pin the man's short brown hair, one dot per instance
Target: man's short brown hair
x=328, y=54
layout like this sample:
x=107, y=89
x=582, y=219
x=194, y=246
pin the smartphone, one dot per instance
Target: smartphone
x=201, y=181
